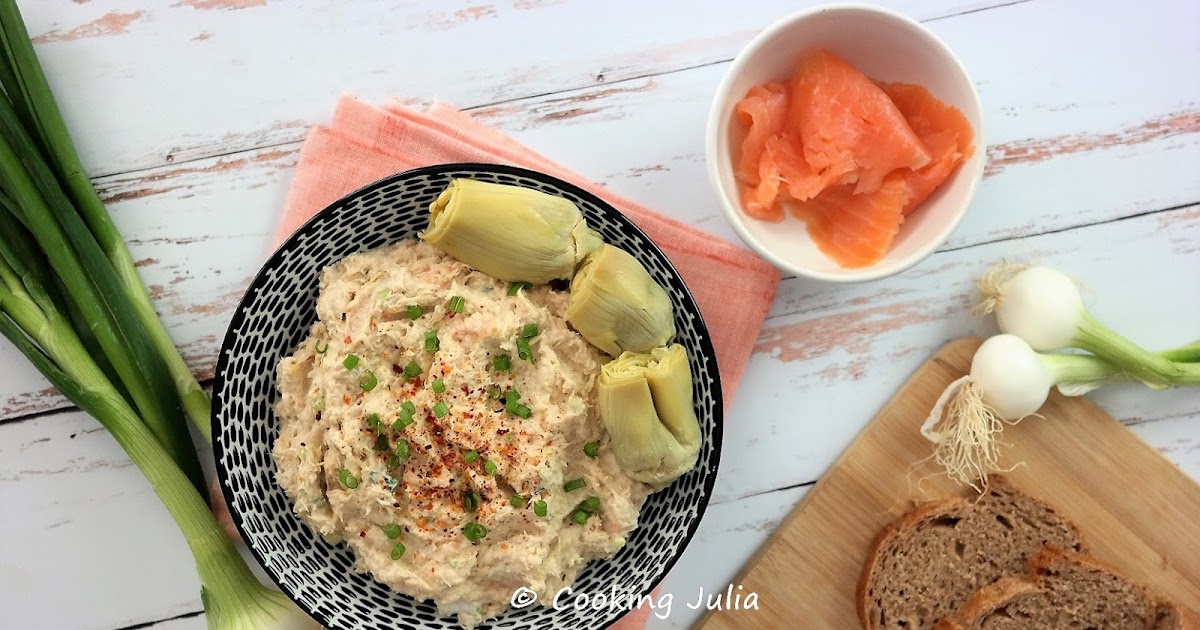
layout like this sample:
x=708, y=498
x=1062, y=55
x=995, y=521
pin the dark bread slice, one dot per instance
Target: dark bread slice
x=1065, y=590
x=925, y=565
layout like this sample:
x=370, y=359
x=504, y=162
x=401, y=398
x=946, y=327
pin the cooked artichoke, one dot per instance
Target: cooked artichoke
x=646, y=405
x=509, y=232
x=617, y=306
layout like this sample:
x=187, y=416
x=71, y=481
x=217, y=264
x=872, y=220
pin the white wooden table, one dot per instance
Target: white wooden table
x=189, y=115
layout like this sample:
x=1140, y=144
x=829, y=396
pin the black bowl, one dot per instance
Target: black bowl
x=276, y=314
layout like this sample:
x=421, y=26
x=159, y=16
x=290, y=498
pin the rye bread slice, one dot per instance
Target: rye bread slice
x=925, y=565
x=1066, y=590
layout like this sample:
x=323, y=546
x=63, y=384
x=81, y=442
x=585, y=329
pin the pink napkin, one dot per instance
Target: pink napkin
x=733, y=287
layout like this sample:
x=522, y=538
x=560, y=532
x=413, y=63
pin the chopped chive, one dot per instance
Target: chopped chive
x=347, y=479
x=398, y=551
x=415, y=311
x=490, y=467
x=403, y=421
x=539, y=508
x=393, y=462
x=471, y=456
x=412, y=370
x=518, y=410
x=512, y=395
x=393, y=531
x=384, y=293
x=471, y=501
x=368, y=381
x=474, y=532
x=517, y=287
x=502, y=363
x=440, y=410
x=403, y=450
x=439, y=386
x=432, y=343
x=523, y=349
x=350, y=362
x=409, y=407
x=373, y=421
x=529, y=331
x=592, y=449
x=319, y=404
x=381, y=442
x=580, y=517
x=319, y=348
x=517, y=501
x=589, y=505
x=573, y=485
x=457, y=303
x=495, y=392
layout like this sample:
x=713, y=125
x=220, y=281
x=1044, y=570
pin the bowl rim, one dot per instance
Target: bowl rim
x=732, y=209
x=219, y=381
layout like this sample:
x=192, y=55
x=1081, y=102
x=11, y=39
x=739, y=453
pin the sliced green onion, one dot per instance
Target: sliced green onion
x=517, y=409
x=502, y=363
x=319, y=348
x=403, y=450
x=490, y=467
x=384, y=294
x=440, y=409
x=471, y=456
x=457, y=303
x=517, y=501
x=319, y=404
x=580, y=517
x=412, y=370
x=347, y=479
x=381, y=442
x=539, y=508
x=495, y=392
x=373, y=421
x=415, y=311
x=368, y=381
x=393, y=462
x=474, y=532
x=350, y=362
x=398, y=551
x=393, y=531
x=573, y=485
x=523, y=349
x=432, y=343
x=589, y=505
x=439, y=386
x=409, y=407
x=529, y=331
x=517, y=287
x=471, y=501
x=403, y=421
x=592, y=449
x=512, y=395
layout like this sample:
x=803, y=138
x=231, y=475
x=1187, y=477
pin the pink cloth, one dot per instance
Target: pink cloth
x=733, y=287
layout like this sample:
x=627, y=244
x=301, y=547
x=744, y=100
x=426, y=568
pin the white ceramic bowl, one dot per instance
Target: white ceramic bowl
x=887, y=47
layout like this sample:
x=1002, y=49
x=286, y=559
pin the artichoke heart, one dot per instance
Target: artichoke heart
x=646, y=404
x=617, y=306
x=509, y=232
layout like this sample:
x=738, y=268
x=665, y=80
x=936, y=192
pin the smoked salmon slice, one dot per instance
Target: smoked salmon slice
x=942, y=128
x=763, y=112
x=856, y=230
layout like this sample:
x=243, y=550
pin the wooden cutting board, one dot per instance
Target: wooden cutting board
x=1138, y=511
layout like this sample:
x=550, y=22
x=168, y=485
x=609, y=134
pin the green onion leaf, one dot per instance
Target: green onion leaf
x=398, y=551
x=474, y=532
x=403, y=450
x=415, y=311
x=573, y=485
x=319, y=405
x=495, y=392
x=589, y=505
x=321, y=349
x=517, y=287
x=471, y=501
x=471, y=456
x=403, y=421
x=350, y=362
x=347, y=479
x=502, y=363
x=529, y=331
x=523, y=349
x=432, y=343
x=412, y=370
x=580, y=517
x=592, y=449
x=393, y=531
x=539, y=508
x=490, y=467
x=373, y=421
x=512, y=395
x=457, y=303
x=393, y=462
x=409, y=407
x=518, y=410
x=368, y=381
x=517, y=501
x=384, y=294
x=439, y=386
x=440, y=409
x=381, y=442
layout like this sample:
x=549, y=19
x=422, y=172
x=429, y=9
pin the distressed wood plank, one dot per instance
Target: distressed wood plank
x=254, y=76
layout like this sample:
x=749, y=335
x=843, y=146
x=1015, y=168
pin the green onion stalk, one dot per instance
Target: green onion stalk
x=233, y=597
x=34, y=106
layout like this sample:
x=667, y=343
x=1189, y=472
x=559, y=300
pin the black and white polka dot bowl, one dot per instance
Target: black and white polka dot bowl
x=276, y=314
